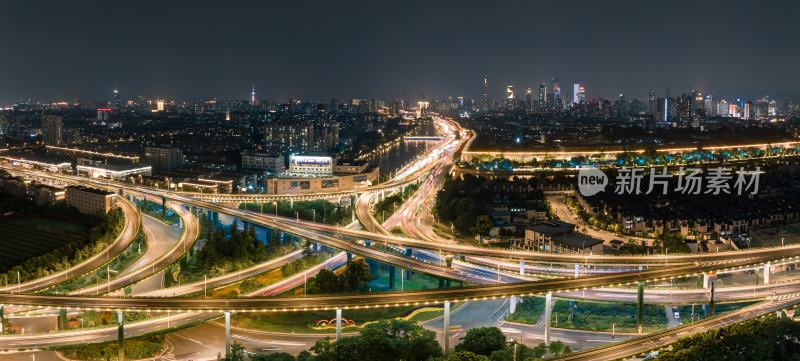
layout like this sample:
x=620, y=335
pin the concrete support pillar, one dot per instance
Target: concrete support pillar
x=120, y=335
x=512, y=305
x=767, y=270
x=705, y=281
x=227, y=333
x=291, y=203
x=446, y=327
x=577, y=270
x=548, y=309
x=338, y=324
x=521, y=268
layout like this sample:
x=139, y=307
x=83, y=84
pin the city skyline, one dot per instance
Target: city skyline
x=175, y=51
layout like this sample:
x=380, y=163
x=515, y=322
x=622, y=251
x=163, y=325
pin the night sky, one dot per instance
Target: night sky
x=52, y=50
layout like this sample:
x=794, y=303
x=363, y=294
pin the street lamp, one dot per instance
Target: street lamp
x=276, y=207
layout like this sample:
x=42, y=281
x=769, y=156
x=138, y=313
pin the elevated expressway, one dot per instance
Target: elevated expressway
x=132, y=225
x=659, y=267
x=355, y=301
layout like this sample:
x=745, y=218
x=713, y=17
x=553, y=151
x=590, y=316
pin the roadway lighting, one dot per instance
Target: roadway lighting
x=276, y=207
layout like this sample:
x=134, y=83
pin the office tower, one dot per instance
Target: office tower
x=734, y=110
x=578, y=93
x=748, y=112
x=652, y=103
x=103, y=115
x=542, y=97
x=160, y=105
x=52, y=129
x=556, y=98
x=723, y=110
x=510, y=99
x=772, y=108
x=116, y=104
x=708, y=106
x=4, y=125
x=510, y=92
x=485, y=90
x=762, y=109
x=529, y=99
x=164, y=158
x=253, y=96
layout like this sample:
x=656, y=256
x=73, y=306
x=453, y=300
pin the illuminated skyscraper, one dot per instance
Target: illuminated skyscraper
x=485, y=94
x=708, y=106
x=723, y=109
x=51, y=129
x=115, y=104
x=578, y=93
x=652, y=103
x=542, y=97
x=509, y=92
x=556, y=98
x=529, y=99
x=253, y=96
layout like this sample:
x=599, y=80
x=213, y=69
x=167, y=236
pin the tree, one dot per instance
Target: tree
x=279, y=356
x=465, y=356
x=483, y=224
x=390, y=340
x=558, y=348
x=483, y=341
x=325, y=281
x=236, y=354
x=356, y=276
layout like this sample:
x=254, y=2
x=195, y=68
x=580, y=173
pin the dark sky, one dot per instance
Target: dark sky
x=53, y=50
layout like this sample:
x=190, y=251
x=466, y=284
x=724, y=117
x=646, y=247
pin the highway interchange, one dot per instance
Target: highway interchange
x=479, y=267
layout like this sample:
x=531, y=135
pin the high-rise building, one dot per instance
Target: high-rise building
x=542, y=97
x=556, y=98
x=762, y=109
x=485, y=94
x=52, y=129
x=116, y=103
x=708, y=106
x=529, y=99
x=723, y=109
x=509, y=92
x=734, y=110
x=578, y=93
x=253, y=96
x=652, y=103
x=164, y=158
x=748, y=112
x=4, y=125
x=103, y=115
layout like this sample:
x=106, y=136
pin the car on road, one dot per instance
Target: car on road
x=675, y=313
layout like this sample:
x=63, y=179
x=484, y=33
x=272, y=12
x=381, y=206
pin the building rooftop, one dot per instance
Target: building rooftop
x=91, y=190
x=552, y=229
x=576, y=240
